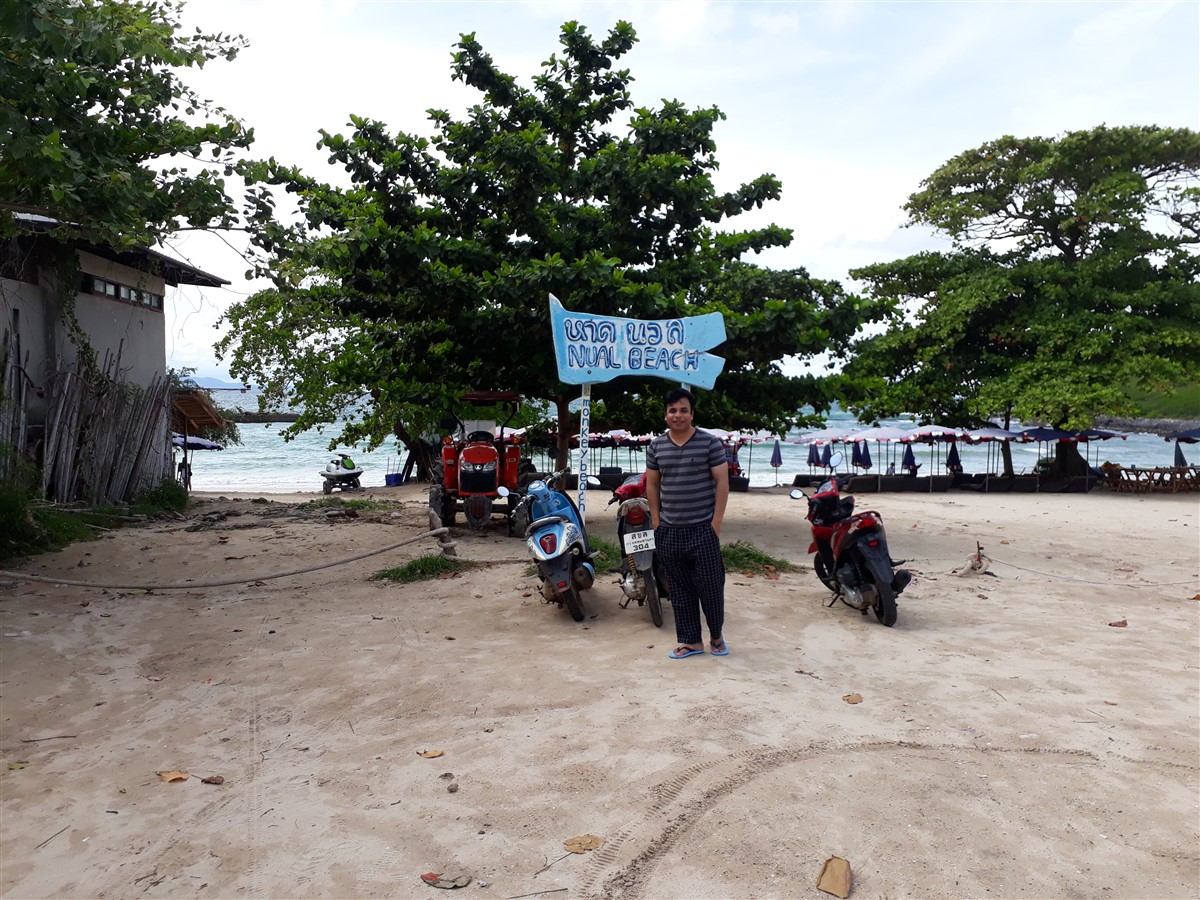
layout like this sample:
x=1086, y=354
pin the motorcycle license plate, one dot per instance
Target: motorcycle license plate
x=639, y=540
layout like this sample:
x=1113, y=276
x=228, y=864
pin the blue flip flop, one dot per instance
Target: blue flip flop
x=687, y=651
x=724, y=652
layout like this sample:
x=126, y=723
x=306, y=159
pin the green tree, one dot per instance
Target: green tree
x=1072, y=282
x=429, y=274
x=99, y=133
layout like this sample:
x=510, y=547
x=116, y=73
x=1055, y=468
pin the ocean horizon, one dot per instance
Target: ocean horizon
x=265, y=463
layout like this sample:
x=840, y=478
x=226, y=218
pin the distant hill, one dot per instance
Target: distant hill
x=205, y=382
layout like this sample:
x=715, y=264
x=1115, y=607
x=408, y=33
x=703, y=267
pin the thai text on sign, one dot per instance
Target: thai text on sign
x=590, y=349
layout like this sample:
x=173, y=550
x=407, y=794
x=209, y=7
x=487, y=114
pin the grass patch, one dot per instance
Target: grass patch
x=424, y=568
x=608, y=558
x=743, y=556
x=167, y=494
x=28, y=527
x=363, y=504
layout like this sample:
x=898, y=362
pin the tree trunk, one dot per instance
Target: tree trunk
x=564, y=433
x=1068, y=461
x=421, y=453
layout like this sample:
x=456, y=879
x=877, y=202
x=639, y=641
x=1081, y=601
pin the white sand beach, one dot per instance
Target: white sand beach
x=1011, y=740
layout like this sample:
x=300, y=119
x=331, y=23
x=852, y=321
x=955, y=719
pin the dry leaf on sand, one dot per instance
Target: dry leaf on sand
x=1120, y=623
x=851, y=698
x=447, y=882
x=836, y=877
x=174, y=776
x=429, y=754
x=582, y=843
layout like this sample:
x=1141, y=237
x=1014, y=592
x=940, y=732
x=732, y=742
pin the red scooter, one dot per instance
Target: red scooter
x=852, y=553
x=640, y=576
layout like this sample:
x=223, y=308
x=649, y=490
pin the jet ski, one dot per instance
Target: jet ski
x=341, y=473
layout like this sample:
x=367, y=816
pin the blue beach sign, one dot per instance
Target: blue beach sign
x=592, y=349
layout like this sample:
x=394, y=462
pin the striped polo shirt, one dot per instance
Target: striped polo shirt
x=687, y=493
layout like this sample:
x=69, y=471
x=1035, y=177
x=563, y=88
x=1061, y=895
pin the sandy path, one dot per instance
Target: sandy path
x=1009, y=742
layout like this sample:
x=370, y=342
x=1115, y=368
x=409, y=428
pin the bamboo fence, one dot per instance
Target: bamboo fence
x=105, y=439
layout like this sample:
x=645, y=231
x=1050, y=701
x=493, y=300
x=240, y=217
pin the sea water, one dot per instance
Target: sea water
x=265, y=463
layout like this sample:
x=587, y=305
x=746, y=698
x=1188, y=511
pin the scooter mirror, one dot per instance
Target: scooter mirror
x=836, y=460
x=797, y=494
x=593, y=481
x=503, y=491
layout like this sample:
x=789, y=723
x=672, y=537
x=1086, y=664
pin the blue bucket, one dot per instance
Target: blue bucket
x=393, y=480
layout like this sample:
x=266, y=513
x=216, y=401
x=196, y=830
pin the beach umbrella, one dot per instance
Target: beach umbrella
x=865, y=460
x=910, y=461
x=1191, y=436
x=191, y=442
x=881, y=434
x=814, y=455
x=826, y=455
x=776, y=460
x=1180, y=460
x=856, y=455
x=953, y=463
x=1044, y=435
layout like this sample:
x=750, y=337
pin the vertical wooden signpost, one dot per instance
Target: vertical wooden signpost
x=594, y=349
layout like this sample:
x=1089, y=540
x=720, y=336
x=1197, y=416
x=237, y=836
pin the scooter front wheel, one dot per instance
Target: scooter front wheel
x=652, y=598
x=574, y=602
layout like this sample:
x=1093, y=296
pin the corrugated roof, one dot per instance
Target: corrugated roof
x=173, y=271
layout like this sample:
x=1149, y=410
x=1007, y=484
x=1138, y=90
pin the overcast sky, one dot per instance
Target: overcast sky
x=850, y=104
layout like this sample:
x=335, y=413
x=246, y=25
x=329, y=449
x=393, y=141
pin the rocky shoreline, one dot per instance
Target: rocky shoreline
x=1148, y=426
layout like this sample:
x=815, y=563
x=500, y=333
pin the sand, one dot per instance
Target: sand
x=1010, y=741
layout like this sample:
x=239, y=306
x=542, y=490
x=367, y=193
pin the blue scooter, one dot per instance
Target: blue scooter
x=557, y=541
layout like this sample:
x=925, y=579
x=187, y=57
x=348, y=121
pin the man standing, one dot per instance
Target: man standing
x=687, y=486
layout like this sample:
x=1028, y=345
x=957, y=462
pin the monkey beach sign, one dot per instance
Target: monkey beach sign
x=593, y=349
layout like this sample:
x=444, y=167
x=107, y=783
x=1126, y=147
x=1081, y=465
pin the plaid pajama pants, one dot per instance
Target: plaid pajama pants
x=691, y=560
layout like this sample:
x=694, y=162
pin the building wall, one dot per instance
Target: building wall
x=134, y=328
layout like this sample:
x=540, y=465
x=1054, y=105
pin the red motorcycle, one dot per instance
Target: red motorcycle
x=852, y=553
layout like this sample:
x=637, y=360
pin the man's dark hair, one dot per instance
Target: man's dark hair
x=676, y=394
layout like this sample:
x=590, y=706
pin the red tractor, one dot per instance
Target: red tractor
x=476, y=461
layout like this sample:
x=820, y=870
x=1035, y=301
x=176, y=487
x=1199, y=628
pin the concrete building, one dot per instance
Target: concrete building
x=55, y=312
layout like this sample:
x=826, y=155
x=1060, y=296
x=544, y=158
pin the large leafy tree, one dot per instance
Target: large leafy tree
x=1072, y=280
x=429, y=273
x=98, y=131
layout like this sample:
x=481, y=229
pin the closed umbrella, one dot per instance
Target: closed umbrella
x=1183, y=437
x=856, y=455
x=953, y=463
x=776, y=460
x=814, y=455
x=826, y=455
x=865, y=460
x=909, y=464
